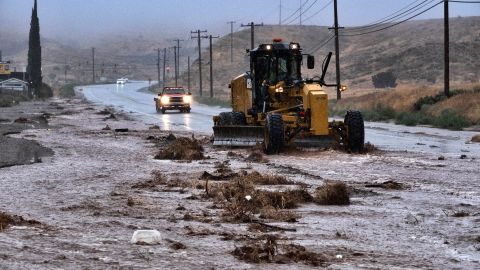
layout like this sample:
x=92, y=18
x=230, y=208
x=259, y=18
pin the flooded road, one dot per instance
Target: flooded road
x=141, y=106
x=385, y=136
x=80, y=208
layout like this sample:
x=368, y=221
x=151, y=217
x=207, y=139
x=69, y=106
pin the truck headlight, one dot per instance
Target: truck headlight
x=165, y=100
x=187, y=99
x=279, y=89
x=343, y=87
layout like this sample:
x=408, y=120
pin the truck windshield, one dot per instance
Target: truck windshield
x=173, y=91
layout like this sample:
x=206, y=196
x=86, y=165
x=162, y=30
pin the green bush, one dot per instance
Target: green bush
x=384, y=80
x=67, y=91
x=8, y=100
x=379, y=113
x=45, y=91
x=451, y=120
x=213, y=101
x=428, y=100
x=407, y=119
x=413, y=118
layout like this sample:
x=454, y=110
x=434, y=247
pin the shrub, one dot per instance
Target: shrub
x=45, y=91
x=407, y=119
x=379, y=113
x=428, y=100
x=8, y=100
x=384, y=80
x=67, y=90
x=213, y=101
x=451, y=120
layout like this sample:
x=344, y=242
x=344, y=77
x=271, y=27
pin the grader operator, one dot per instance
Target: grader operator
x=273, y=105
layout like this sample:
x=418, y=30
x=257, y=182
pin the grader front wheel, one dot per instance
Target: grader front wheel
x=274, y=134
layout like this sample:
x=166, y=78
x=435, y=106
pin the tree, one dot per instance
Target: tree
x=384, y=80
x=34, y=67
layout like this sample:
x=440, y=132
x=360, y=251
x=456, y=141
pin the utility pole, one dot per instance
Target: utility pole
x=252, y=32
x=280, y=14
x=199, y=56
x=188, y=72
x=301, y=11
x=158, y=66
x=65, y=78
x=231, y=40
x=164, y=63
x=177, y=65
x=210, y=37
x=93, y=64
x=337, y=50
x=175, y=62
x=446, y=49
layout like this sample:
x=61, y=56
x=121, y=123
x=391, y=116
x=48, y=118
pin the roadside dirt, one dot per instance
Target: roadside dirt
x=405, y=210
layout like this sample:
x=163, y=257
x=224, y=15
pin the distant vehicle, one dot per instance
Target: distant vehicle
x=122, y=80
x=173, y=98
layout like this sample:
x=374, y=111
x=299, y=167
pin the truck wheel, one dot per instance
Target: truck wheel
x=163, y=110
x=355, y=131
x=274, y=134
x=238, y=119
x=187, y=110
x=225, y=119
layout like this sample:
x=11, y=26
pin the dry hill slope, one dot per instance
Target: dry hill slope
x=413, y=51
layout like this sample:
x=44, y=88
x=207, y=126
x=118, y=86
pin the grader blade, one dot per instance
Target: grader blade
x=315, y=142
x=237, y=135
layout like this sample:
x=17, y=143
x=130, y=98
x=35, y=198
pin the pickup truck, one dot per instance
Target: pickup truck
x=173, y=98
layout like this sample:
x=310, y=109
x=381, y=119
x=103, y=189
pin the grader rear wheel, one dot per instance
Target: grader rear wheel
x=355, y=131
x=274, y=134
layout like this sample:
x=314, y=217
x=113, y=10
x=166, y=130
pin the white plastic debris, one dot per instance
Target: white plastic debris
x=248, y=197
x=146, y=237
x=339, y=256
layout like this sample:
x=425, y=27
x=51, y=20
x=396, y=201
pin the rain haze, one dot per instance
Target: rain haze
x=81, y=21
x=155, y=134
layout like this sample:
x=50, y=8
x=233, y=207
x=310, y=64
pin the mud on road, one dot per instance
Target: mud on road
x=228, y=208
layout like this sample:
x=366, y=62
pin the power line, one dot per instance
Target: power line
x=291, y=15
x=395, y=24
x=389, y=17
x=303, y=12
x=321, y=45
x=321, y=9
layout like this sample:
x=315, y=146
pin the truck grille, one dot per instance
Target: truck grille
x=176, y=99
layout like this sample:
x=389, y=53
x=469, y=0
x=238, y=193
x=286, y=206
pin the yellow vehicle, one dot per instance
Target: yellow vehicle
x=272, y=104
x=173, y=98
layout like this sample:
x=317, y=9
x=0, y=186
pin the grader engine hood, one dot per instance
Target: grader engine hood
x=315, y=103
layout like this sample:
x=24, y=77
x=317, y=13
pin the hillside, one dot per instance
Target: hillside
x=413, y=51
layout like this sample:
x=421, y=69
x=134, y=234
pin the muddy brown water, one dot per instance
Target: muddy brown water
x=84, y=198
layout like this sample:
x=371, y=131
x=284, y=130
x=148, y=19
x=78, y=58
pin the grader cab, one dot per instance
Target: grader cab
x=273, y=105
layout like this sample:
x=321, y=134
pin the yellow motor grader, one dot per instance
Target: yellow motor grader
x=273, y=105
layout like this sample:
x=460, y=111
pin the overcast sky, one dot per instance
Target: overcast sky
x=77, y=19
